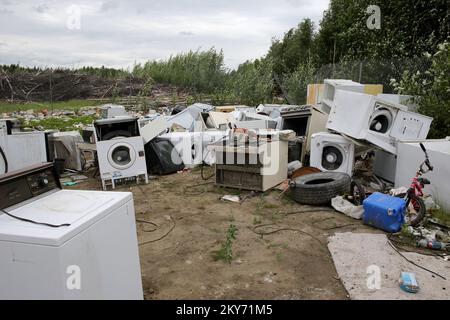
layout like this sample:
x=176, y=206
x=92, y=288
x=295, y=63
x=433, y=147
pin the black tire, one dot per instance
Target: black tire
x=116, y=134
x=320, y=188
x=415, y=209
x=357, y=192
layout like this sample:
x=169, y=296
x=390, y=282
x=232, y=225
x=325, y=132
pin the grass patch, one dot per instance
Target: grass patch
x=225, y=253
x=59, y=105
x=441, y=215
x=405, y=233
x=66, y=123
x=270, y=206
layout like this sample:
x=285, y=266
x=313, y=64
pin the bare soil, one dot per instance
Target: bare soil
x=182, y=223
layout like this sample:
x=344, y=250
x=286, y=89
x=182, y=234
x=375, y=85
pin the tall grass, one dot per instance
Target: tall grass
x=203, y=71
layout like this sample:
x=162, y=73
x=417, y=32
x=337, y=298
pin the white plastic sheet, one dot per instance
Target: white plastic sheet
x=347, y=208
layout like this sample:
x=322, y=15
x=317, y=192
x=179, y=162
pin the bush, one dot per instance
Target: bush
x=295, y=84
x=252, y=83
x=432, y=90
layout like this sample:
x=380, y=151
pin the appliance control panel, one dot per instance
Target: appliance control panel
x=25, y=184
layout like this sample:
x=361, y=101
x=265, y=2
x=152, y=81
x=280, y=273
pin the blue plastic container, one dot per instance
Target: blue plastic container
x=384, y=212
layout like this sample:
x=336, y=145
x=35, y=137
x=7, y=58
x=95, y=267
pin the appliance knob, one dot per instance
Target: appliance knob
x=43, y=181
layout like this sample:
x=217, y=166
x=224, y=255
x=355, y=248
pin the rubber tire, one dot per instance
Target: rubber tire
x=321, y=193
x=422, y=211
x=361, y=191
x=116, y=134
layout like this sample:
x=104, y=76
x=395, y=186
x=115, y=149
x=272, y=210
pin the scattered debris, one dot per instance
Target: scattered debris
x=408, y=282
x=369, y=268
x=231, y=198
x=347, y=208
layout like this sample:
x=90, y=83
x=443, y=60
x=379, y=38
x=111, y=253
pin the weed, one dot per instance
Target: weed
x=442, y=215
x=270, y=206
x=257, y=220
x=225, y=253
x=278, y=256
x=405, y=232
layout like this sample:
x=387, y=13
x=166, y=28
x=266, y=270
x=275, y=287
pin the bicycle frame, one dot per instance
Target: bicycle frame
x=416, y=186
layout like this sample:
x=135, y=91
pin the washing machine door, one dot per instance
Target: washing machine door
x=121, y=155
x=382, y=119
x=332, y=157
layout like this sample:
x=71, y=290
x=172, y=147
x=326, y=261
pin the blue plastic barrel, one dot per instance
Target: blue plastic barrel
x=384, y=212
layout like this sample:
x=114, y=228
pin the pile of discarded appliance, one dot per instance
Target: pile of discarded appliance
x=349, y=140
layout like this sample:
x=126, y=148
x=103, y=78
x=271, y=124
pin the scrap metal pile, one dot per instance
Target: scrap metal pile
x=349, y=140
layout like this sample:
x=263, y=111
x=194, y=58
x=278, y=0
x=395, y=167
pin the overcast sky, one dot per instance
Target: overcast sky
x=117, y=33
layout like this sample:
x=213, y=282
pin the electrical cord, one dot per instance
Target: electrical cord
x=4, y=159
x=35, y=222
x=282, y=229
x=193, y=193
x=413, y=263
x=163, y=236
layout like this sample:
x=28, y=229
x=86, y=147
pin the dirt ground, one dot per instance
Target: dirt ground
x=181, y=225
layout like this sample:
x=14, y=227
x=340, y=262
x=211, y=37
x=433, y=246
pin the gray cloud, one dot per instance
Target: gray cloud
x=42, y=8
x=117, y=33
x=5, y=11
x=109, y=5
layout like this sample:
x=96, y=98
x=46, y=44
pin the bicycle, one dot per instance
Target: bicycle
x=415, y=206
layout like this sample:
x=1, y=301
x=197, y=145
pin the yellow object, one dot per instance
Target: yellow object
x=373, y=89
x=315, y=92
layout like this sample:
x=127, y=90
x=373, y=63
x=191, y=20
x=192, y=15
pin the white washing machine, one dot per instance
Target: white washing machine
x=380, y=122
x=332, y=152
x=121, y=158
x=195, y=148
x=65, y=244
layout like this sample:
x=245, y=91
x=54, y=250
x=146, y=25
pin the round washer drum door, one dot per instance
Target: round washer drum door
x=121, y=156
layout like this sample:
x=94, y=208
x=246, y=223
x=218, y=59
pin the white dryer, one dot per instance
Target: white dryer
x=380, y=122
x=332, y=152
x=65, y=244
x=120, y=150
x=121, y=158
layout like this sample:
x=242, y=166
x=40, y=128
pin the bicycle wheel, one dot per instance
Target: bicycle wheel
x=415, y=209
x=357, y=193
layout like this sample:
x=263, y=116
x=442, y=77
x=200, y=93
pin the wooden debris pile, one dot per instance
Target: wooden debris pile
x=60, y=85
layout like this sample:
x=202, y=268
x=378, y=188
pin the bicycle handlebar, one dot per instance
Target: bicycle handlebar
x=423, y=147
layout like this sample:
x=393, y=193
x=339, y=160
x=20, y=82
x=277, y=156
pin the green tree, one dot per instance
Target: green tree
x=294, y=49
x=432, y=90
